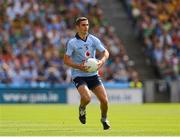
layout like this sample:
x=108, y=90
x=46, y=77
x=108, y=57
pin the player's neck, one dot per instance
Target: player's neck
x=83, y=36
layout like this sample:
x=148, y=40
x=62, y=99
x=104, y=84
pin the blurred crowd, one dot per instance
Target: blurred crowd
x=157, y=24
x=33, y=36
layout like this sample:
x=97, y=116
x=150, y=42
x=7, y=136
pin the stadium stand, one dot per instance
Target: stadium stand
x=157, y=25
x=33, y=35
x=119, y=20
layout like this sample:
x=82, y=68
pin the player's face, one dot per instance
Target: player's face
x=83, y=27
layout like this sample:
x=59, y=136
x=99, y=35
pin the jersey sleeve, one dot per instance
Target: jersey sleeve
x=99, y=45
x=69, y=48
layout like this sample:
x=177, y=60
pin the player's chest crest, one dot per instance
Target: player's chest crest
x=85, y=50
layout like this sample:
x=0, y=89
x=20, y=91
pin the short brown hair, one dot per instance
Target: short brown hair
x=79, y=19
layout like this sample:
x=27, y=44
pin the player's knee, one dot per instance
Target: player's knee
x=104, y=101
x=87, y=99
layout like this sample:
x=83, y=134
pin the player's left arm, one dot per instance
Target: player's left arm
x=104, y=57
x=104, y=54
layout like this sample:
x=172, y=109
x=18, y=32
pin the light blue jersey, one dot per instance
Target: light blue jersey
x=80, y=50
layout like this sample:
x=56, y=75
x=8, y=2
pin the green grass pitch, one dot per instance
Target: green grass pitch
x=62, y=120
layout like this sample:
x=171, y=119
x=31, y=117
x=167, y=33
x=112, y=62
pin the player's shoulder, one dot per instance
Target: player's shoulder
x=93, y=37
x=71, y=40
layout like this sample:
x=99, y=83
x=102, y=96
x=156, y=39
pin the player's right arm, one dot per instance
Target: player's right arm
x=68, y=60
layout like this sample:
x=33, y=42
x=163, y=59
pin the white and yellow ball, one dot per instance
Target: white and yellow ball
x=92, y=63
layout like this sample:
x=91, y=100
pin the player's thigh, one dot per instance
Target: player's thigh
x=101, y=94
x=82, y=88
x=84, y=92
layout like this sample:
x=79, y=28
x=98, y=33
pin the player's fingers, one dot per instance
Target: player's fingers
x=99, y=63
x=83, y=62
x=86, y=68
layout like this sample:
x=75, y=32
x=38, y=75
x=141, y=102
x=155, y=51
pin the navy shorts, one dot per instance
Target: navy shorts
x=91, y=81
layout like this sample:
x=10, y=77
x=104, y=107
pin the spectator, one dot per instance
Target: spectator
x=158, y=24
x=33, y=35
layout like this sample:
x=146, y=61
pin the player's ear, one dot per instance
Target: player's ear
x=76, y=26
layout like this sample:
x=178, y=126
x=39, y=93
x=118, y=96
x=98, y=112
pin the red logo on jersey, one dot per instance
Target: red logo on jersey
x=87, y=54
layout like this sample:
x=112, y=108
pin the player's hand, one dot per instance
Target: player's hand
x=82, y=67
x=100, y=64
